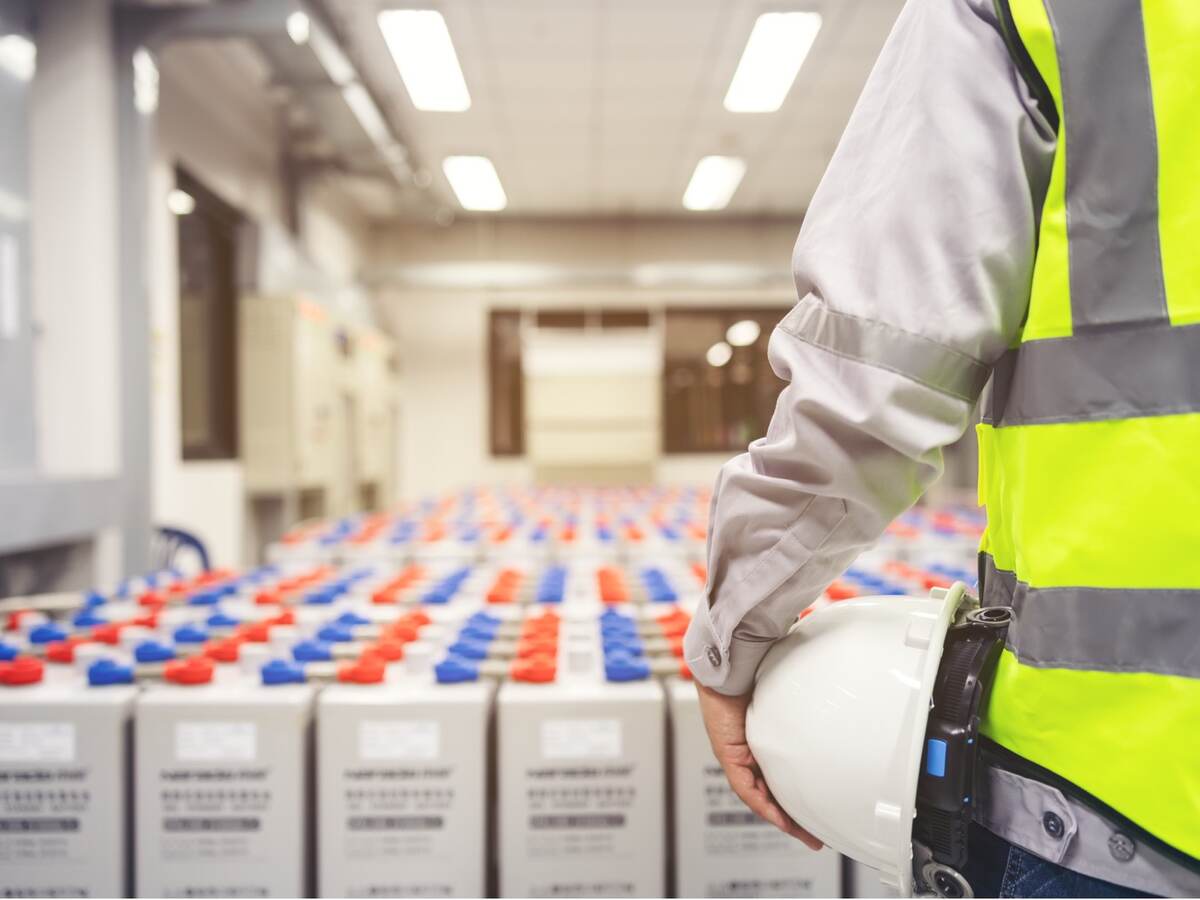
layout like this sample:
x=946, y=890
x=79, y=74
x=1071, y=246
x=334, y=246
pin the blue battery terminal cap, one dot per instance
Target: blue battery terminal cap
x=482, y=619
x=280, y=671
x=8, y=652
x=336, y=634
x=475, y=633
x=46, y=633
x=88, y=618
x=190, y=634
x=453, y=670
x=204, y=598
x=320, y=597
x=351, y=619
x=153, y=652
x=623, y=645
x=615, y=628
x=106, y=671
x=620, y=667
x=223, y=620
x=469, y=649
x=312, y=651
x=93, y=599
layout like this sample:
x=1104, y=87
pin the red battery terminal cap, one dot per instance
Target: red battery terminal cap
x=226, y=650
x=287, y=617
x=110, y=633
x=21, y=671
x=64, y=651
x=402, y=632
x=417, y=617
x=255, y=632
x=537, y=646
x=535, y=669
x=193, y=670
x=367, y=670
x=13, y=623
x=150, y=620
x=268, y=598
x=385, y=596
x=385, y=649
x=152, y=599
x=839, y=590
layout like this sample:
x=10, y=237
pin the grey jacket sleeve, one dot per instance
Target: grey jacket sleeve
x=913, y=269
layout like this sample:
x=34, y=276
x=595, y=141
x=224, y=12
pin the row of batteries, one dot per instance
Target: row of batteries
x=376, y=731
x=629, y=525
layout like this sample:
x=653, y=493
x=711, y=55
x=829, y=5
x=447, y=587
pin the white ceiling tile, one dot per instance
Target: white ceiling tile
x=605, y=105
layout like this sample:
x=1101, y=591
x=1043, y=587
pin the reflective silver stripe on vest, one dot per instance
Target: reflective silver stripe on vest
x=886, y=347
x=1099, y=629
x=1112, y=163
x=1119, y=374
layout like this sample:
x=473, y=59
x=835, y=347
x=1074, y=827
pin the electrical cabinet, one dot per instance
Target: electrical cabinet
x=288, y=357
x=373, y=387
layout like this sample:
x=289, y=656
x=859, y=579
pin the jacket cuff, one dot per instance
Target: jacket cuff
x=726, y=668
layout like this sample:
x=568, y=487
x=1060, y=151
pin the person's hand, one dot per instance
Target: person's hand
x=725, y=721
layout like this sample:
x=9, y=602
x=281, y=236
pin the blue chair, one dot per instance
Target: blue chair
x=170, y=545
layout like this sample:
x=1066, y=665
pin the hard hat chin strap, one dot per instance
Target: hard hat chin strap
x=946, y=788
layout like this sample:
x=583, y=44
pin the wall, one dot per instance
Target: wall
x=436, y=286
x=211, y=124
x=73, y=191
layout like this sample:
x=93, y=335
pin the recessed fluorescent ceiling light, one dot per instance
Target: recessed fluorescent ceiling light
x=774, y=53
x=475, y=182
x=714, y=182
x=298, y=27
x=420, y=44
x=18, y=56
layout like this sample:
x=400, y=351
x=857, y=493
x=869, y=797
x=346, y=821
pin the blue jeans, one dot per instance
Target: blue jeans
x=998, y=869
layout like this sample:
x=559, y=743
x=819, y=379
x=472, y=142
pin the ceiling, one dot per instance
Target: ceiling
x=603, y=107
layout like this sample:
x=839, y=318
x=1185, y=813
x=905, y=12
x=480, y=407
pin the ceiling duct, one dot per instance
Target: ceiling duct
x=322, y=78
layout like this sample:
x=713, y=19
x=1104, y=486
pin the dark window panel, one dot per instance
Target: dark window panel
x=506, y=397
x=716, y=409
x=561, y=318
x=208, y=239
x=624, y=318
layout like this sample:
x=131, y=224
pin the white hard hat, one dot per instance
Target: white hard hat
x=838, y=721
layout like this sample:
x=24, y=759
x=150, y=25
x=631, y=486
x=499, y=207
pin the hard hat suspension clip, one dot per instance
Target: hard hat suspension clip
x=946, y=786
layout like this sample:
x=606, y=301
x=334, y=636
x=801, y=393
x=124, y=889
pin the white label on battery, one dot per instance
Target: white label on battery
x=216, y=741
x=399, y=740
x=581, y=738
x=24, y=742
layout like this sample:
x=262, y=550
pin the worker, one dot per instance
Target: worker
x=1016, y=197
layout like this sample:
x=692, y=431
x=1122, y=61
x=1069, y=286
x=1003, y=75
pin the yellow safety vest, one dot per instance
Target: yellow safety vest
x=1090, y=447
